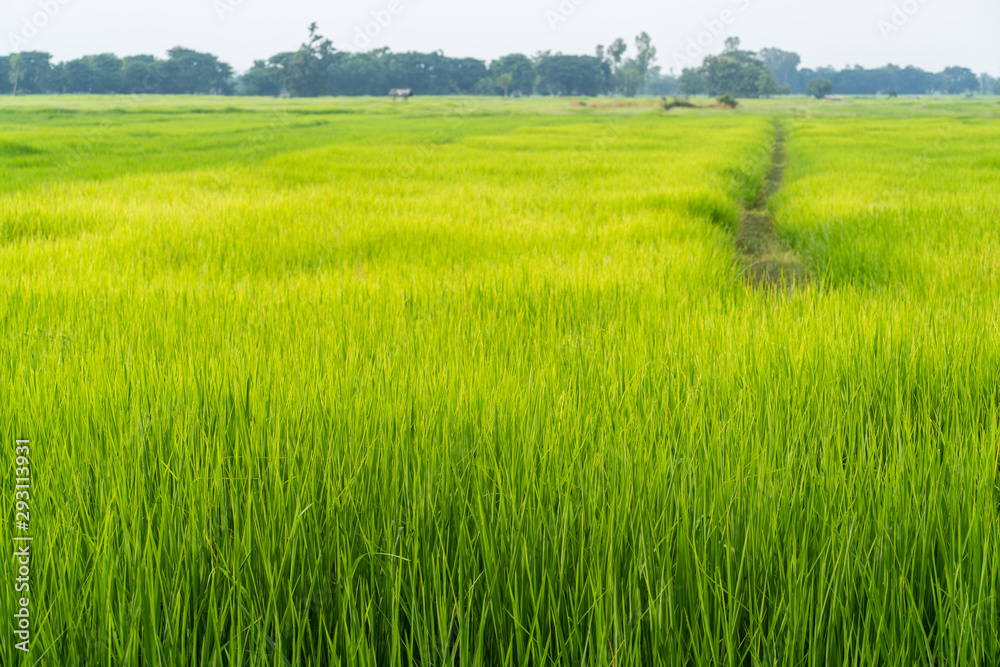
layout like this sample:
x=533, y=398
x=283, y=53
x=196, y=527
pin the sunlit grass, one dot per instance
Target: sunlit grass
x=480, y=383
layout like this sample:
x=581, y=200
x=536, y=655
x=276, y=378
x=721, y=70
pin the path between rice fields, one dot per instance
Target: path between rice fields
x=766, y=259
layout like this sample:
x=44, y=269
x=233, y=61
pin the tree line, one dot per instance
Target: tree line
x=317, y=68
x=775, y=72
x=183, y=72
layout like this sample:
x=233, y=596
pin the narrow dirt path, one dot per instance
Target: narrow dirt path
x=767, y=261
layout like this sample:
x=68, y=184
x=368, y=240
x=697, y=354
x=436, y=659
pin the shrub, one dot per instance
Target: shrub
x=677, y=102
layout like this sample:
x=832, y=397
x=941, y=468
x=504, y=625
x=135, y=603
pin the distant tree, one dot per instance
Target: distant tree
x=520, y=67
x=17, y=70
x=827, y=72
x=986, y=83
x=729, y=74
x=261, y=80
x=957, y=80
x=30, y=72
x=691, y=82
x=613, y=62
x=660, y=84
x=888, y=76
x=75, y=76
x=570, y=75
x=462, y=75
x=914, y=81
x=819, y=88
x=486, y=87
x=860, y=81
x=805, y=76
x=432, y=73
x=505, y=82
x=362, y=74
x=317, y=68
x=783, y=65
x=737, y=72
x=307, y=72
x=189, y=72
x=892, y=93
x=4, y=74
x=616, y=52
x=766, y=85
x=141, y=75
x=280, y=64
x=90, y=74
x=645, y=55
x=630, y=80
x=629, y=76
x=107, y=69
x=725, y=75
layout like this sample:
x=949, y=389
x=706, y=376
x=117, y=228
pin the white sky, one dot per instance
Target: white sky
x=933, y=35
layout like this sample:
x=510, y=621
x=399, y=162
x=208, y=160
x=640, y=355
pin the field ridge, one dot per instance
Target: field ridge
x=766, y=259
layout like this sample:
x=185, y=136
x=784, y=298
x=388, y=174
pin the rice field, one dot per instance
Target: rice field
x=483, y=382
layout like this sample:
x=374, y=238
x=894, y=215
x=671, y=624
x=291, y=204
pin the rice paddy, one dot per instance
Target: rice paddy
x=484, y=382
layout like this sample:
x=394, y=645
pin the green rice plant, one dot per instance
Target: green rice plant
x=321, y=382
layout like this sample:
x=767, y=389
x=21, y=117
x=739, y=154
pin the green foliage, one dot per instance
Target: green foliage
x=676, y=102
x=370, y=74
x=766, y=85
x=505, y=82
x=91, y=74
x=519, y=68
x=630, y=76
x=729, y=101
x=189, y=72
x=783, y=66
x=733, y=74
x=958, y=80
x=909, y=80
x=307, y=385
x=15, y=71
x=141, y=75
x=306, y=72
x=184, y=72
x=317, y=69
x=261, y=79
x=376, y=72
x=691, y=82
x=30, y=72
x=663, y=84
x=571, y=75
x=645, y=55
x=616, y=52
x=819, y=88
x=630, y=80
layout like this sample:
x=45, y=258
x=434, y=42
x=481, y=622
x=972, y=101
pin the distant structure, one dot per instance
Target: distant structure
x=405, y=93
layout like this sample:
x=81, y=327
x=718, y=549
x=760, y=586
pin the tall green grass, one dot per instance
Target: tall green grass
x=479, y=382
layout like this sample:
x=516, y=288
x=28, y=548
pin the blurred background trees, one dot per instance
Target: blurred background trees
x=317, y=68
